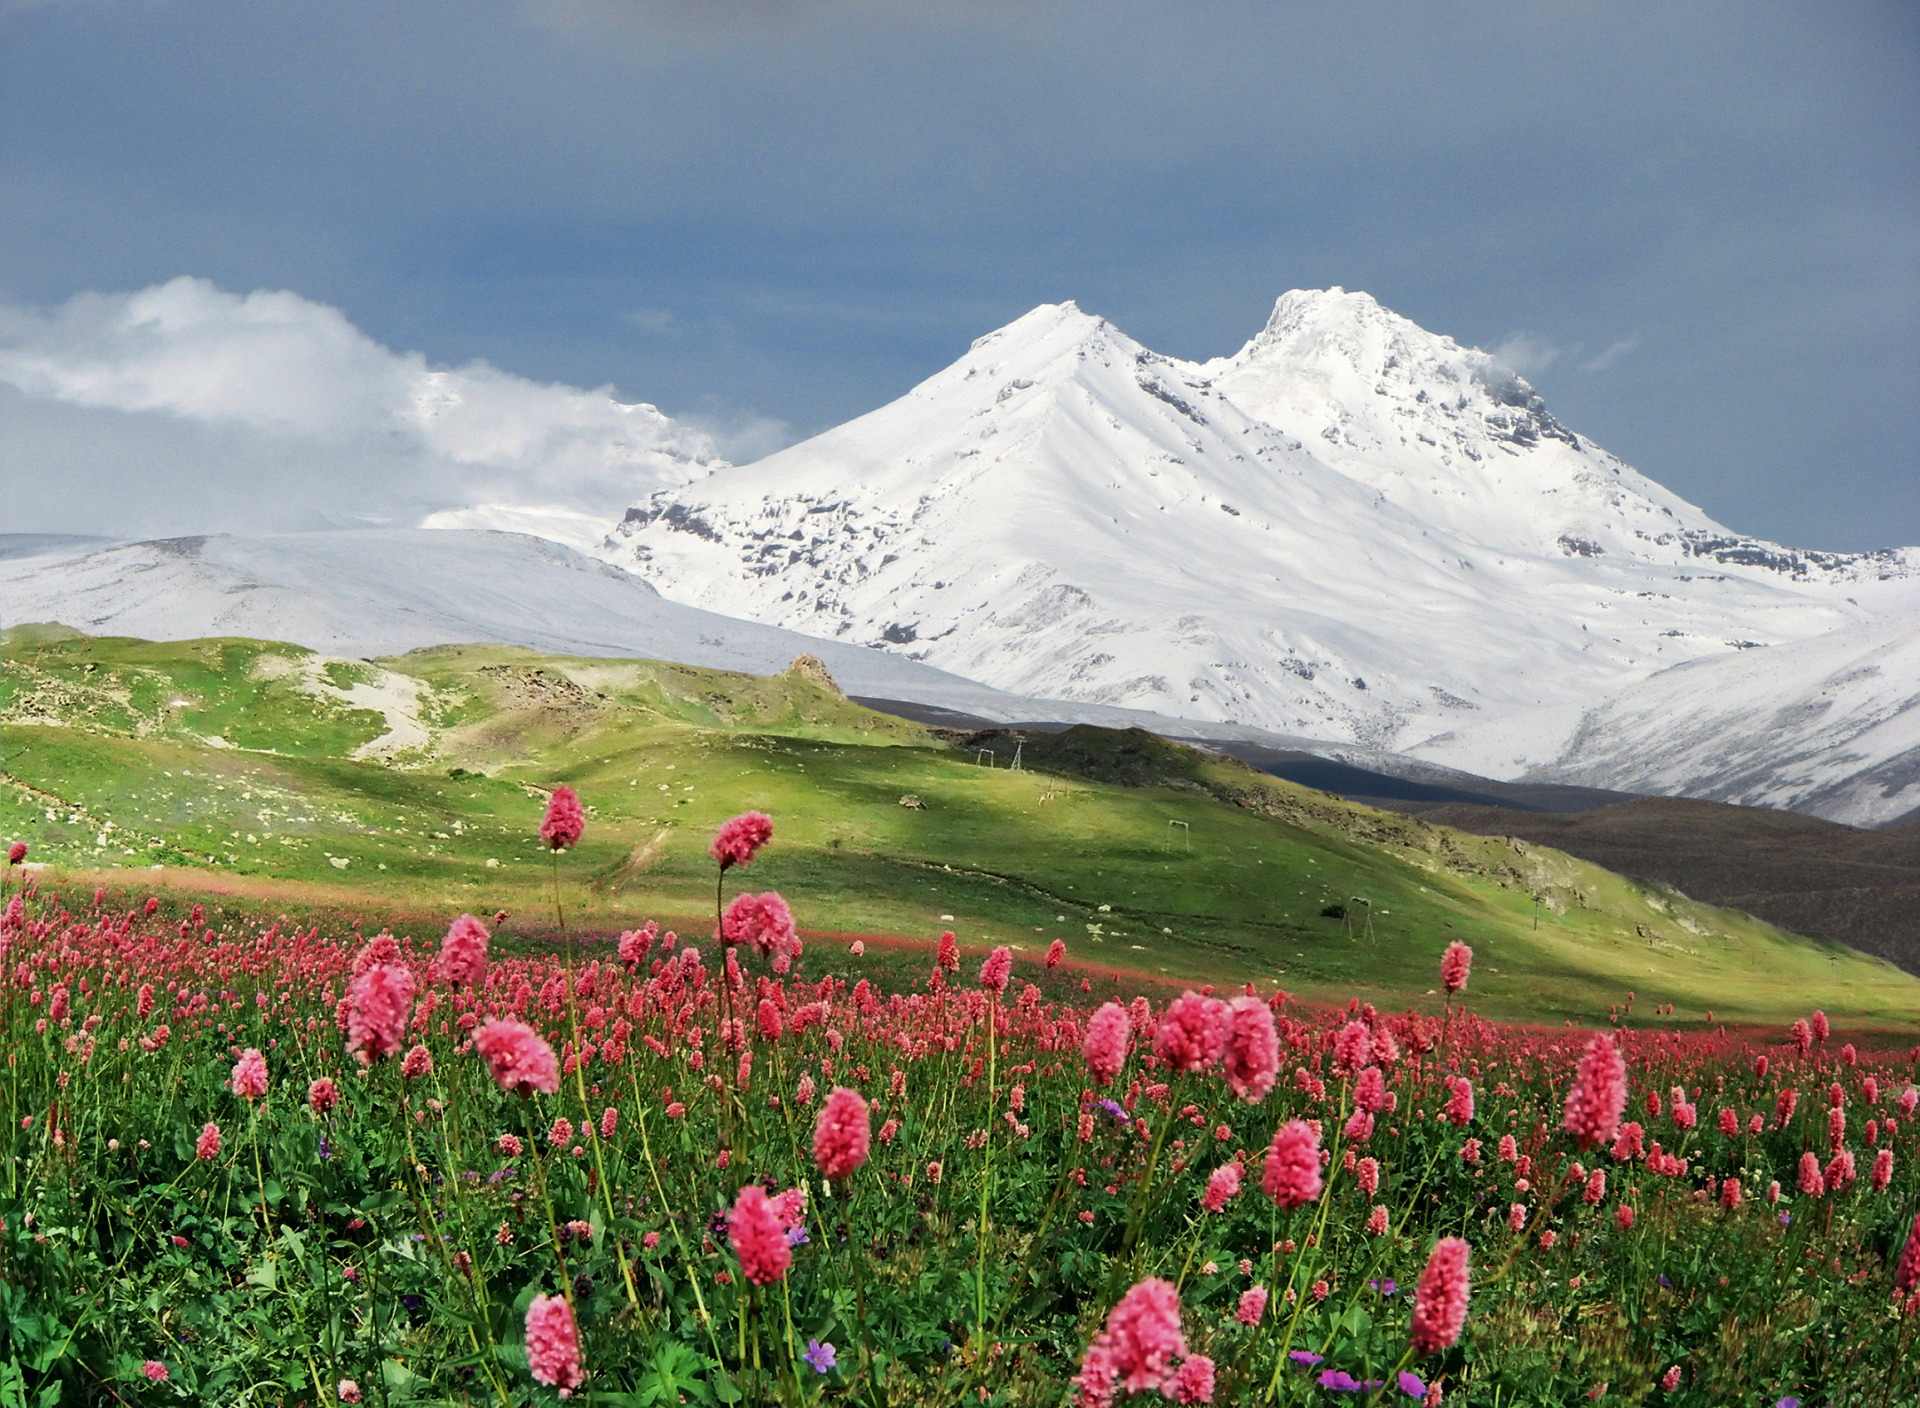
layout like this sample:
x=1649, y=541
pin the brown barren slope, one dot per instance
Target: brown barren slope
x=1860, y=888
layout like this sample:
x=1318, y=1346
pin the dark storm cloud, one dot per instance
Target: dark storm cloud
x=1697, y=221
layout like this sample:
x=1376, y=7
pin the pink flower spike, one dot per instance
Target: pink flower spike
x=739, y=840
x=1108, y=1036
x=765, y=922
x=1455, y=967
x=1252, y=1057
x=379, y=1002
x=1222, y=1187
x=418, y=1063
x=1192, y=1382
x=842, y=1134
x=564, y=821
x=463, y=953
x=553, y=1344
x=155, y=1371
x=1599, y=1094
x=1253, y=1305
x=208, y=1145
x=1142, y=1338
x=1440, y=1298
x=1192, y=1032
x=519, y=1060
x=759, y=1239
x=1907, y=1277
x=1292, y=1173
x=995, y=972
x=250, y=1075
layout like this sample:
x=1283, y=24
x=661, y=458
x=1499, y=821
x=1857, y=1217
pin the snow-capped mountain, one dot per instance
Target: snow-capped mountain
x=1829, y=726
x=1352, y=529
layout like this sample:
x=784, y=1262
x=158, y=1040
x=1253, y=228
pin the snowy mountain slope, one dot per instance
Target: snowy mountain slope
x=1067, y=514
x=377, y=592
x=1829, y=726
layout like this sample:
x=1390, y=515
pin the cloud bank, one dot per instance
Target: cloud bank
x=182, y=407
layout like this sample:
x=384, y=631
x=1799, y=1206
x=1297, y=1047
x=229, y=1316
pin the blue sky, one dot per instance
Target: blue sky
x=1694, y=226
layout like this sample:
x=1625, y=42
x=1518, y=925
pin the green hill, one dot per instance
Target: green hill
x=416, y=785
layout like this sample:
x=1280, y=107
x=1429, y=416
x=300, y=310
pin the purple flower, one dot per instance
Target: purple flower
x=1385, y=1286
x=1664, y=1281
x=1788, y=1403
x=1116, y=1109
x=1340, y=1381
x=1411, y=1386
x=1786, y=1219
x=821, y=1356
x=797, y=1237
x=1301, y=1356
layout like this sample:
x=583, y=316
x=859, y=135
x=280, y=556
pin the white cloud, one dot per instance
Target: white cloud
x=1526, y=354
x=270, y=409
x=1613, y=354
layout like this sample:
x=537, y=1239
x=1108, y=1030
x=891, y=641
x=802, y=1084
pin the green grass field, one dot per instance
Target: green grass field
x=414, y=786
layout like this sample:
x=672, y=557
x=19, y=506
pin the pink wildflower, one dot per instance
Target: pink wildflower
x=1222, y=1187
x=1252, y=1058
x=379, y=1002
x=1811, y=1183
x=208, y=1145
x=348, y=1390
x=758, y=1238
x=948, y=957
x=1460, y=1104
x=463, y=953
x=553, y=1344
x=562, y=1131
x=519, y=1059
x=1370, y=1091
x=841, y=1134
x=1907, y=1276
x=250, y=1075
x=155, y=1371
x=1292, y=1173
x=1455, y=965
x=1440, y=1298
x=1819, y=1025
x=564, y=821
x=1599, y=1094
x=1882, y=1170
x=1253, y=1305
x=1108, y=1036
x=1192, y=1032
x=1352, y=1047
x=1670, y=1380
x=1056, y=952
x=1192, y=1382
x=765, y=922
x=418, y=1062
x=609, y=1121
x=995, y=971
x=737, y=842
x=1142, y=1338
x=322, y=1095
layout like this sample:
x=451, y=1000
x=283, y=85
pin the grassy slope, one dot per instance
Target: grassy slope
x=105, y=731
